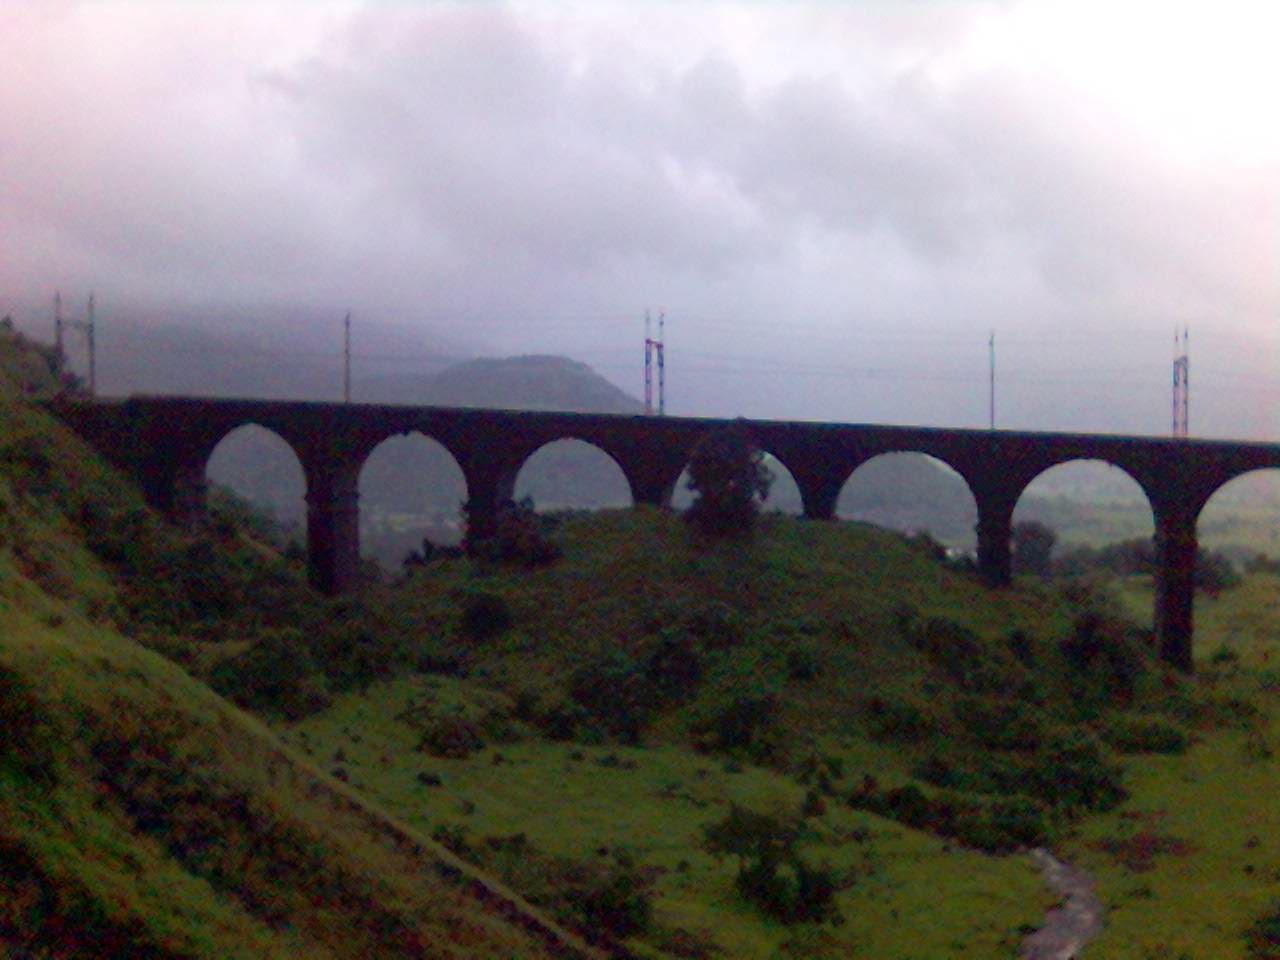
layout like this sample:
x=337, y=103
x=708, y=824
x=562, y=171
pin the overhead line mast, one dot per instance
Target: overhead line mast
x=87, y=327
x=652, y=347
x=346, y=358
x=1181, y=385
x=991, y=346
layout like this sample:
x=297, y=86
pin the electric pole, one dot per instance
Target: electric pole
x=93, y=351
x=991, y=350
x=648, y=367
x=346, y=358
x=1181, y=384
x=57, y=324
x=86, y=326
x=652, y=347
x=662, y=364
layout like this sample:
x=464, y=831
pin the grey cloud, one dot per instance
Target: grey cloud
x=434, y=163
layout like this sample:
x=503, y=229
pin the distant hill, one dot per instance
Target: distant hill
x=534, y=382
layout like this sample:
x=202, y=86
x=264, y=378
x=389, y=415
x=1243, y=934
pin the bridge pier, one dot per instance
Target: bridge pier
x=487, y=490
x=188, y=492
x=819, y=490
x=995, y=530
x=333, y=528
x=1175, y=545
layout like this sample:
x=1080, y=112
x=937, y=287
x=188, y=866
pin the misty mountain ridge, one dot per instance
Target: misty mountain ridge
x=528, y=382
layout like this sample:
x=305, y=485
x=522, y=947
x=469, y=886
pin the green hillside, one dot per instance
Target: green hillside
x=140, y=813
x=825, y=740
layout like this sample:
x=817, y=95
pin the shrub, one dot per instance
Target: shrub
x=1263, y=937
x=993, y=824
x=1032, y=548
x=1214, y=572
x=964, y=657
x=1002, y=824
x=739, y=723
x=1107, y=653
x=452, y=737
x=485, y=615
x=352, y=649
x=26, y=745
x=771, y=873
x=673, y=670
x=277, y=675
x=1130, y=734
x=890, y=718
x=802, y=663
x=1072, y=770
x=716, y=625
x=1021, y=647
x=1224, y=656
x=612, y=896
x=516, y=536
x=616, y=693
x=729, y=479
x=1015, y=725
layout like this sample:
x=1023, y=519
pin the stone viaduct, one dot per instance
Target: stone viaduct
x=165, y=442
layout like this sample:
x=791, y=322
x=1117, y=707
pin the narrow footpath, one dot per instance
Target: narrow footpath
x=1071, y=924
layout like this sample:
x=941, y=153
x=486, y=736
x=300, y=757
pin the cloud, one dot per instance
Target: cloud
x=838, y=170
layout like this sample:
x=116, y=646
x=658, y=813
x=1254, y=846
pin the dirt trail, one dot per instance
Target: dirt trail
x=1071, y=924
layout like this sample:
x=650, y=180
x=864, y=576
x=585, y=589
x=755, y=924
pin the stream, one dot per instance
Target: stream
x=1071, y=924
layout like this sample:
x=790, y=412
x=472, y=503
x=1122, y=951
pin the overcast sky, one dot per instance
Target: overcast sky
x=835, y=203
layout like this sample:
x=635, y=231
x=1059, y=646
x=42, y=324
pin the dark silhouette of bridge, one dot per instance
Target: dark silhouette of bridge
x=165, y=442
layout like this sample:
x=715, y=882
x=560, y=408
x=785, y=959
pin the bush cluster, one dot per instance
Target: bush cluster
x=607, y=897
x=1214, y=571
x=1105, y=659
x=1130, y=734
x=26, y=746
x=772, y=874
x=291, y=671
x=517, y=536
x=484, y=616
x=1263, y=937
x=1069, y=769
x=729, y=480
x=963, y=656
x=899, y=719
x=994, y=824
x=621, y=692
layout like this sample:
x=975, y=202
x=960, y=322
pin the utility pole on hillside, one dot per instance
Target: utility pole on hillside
x=1181, y=385
x=57, y=325
x=346, y=358
x=90, y=332
x=87, y=327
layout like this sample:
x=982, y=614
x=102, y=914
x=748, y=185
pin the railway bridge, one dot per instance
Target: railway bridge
x=165, y=442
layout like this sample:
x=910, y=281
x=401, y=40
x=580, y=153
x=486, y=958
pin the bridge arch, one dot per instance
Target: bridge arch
x=255, y=462
x=910, y=490
x=1241, y=515
x=411, y=487
x=570, y=472
x=1117, y=506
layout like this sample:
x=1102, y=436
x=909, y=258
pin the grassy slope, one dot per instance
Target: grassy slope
x=142, y=815
x=833, y=590
x=1220, y=800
